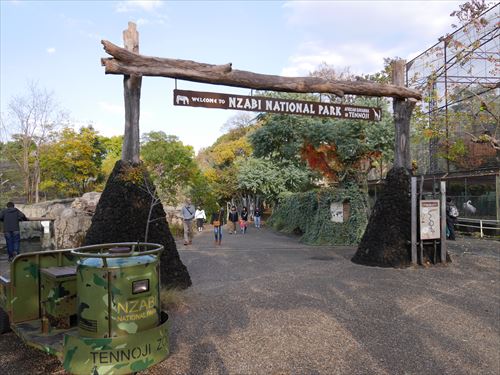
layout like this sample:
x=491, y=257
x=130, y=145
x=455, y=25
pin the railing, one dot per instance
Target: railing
x=480, y=224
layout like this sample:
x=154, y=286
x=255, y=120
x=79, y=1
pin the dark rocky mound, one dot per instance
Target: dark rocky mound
x=121, y=216
x=387, y=238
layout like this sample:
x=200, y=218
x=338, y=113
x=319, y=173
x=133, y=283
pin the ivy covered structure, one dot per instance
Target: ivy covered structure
x=335, y=216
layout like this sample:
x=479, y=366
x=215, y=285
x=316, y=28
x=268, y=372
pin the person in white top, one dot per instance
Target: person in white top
x=200, y=217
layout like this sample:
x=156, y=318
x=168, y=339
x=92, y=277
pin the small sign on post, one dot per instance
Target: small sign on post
x=430, y=228
x=274, y=105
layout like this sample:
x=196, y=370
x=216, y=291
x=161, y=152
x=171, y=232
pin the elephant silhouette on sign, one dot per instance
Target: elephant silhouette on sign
x=182, y=99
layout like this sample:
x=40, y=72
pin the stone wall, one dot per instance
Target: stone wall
x=72, y=218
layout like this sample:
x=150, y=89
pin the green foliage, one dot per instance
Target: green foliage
x=171, y=165
x=270, y=179
x=113, y=151
x=72, y=164
x=220, y=162
x=280, y=138
x=309, y=214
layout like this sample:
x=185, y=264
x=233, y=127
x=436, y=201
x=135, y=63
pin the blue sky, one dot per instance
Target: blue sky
x=57, y=44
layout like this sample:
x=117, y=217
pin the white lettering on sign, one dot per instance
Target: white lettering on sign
x=245, y=103
x=276, y=105
x=204, y=100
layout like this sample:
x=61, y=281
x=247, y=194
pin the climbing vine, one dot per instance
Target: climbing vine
x=309, y=214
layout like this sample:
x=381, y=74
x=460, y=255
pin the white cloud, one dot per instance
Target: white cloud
x=130, y=6
x=375, y=29
x=114, y=109
x=142, y=21
x=51, y=50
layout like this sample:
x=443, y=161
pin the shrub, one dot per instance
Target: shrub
x=309, y=213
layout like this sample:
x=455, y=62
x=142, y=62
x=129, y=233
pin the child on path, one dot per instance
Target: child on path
x=256, y=217
x=200, y=217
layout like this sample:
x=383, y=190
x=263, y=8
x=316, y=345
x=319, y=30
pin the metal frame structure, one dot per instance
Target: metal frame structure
x=460, y=67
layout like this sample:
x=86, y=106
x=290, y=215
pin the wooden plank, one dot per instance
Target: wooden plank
x=444, y=247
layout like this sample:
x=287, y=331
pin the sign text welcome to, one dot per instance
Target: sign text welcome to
x=274, y=105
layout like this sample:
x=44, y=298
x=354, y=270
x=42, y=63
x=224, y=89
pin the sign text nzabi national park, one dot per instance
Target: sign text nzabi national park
x=274, y=105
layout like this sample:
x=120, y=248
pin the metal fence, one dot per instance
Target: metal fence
x=481, y=224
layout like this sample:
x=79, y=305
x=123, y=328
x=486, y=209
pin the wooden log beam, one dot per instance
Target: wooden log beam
x=129, y=63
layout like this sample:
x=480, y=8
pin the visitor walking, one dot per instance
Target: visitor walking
x=217, y=221
x=256, y=217
x=200, y=217
x=187, y=216
x=233, y=219
x=11, y=217
x=243, y=221
x=451, y=218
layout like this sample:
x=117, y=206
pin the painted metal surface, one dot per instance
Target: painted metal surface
x=107, y=304
x=117, y=355
x=113, y=291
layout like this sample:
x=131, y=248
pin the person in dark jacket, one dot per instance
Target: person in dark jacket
x=256, y=217
x=451, y=218
x=244, y=219
x=11, y=217
x=233, y=219
x=218, y=221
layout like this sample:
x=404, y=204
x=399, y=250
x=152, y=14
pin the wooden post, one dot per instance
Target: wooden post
x=402, y=116
x=132, y=96
x=414, y=217
x=444, y=246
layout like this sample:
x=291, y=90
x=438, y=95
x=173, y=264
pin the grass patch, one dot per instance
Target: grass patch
x=172, y=299
x=177, y=230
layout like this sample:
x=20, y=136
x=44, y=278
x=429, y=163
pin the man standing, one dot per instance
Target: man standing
x=11, y=217
x=187, y=216
x=233, y=219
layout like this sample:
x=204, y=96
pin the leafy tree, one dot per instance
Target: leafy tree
x=72, y=164
x=219, y=162
x=171, y=165
x=268, y=179
x=113, y=151
x=31, y=118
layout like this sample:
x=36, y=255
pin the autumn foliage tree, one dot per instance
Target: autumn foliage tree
x=71, y=165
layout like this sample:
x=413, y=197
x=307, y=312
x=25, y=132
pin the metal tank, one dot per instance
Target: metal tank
x=121, y=327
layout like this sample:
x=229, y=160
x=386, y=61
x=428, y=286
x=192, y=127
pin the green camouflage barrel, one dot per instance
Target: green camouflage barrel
x=119, y=299
x=117, y=355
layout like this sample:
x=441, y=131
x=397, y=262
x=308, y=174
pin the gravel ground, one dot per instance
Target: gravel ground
x=262, y=303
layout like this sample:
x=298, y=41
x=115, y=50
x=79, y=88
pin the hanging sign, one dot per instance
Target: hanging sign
x=274, y=105
x=429, y=220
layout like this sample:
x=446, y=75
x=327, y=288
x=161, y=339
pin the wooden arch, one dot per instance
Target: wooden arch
x=132, y=65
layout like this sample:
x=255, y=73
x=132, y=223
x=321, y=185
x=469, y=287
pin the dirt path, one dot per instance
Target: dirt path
x=262, y=303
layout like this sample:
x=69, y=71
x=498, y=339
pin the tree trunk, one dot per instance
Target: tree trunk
x=402, y=116
x=132, y=96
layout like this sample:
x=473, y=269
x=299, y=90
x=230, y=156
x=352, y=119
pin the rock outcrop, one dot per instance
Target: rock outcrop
x=70, y=218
